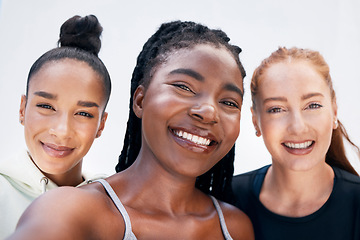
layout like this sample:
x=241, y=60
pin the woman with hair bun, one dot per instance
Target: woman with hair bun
x=62, y=112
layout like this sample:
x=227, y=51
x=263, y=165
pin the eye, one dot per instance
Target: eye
x=183, y=87
x=314, y=106
x=230, y=104
x=85, y=114
x=45, y=106
x=274, y=110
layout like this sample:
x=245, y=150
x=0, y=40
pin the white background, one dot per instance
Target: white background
x=29, y=28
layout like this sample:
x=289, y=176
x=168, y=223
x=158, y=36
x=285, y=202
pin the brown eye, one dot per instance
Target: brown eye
x=85, y=114
x=314, y=106
x=230, y=104
x=183, y=87
x=274, y=110
x=45, y=106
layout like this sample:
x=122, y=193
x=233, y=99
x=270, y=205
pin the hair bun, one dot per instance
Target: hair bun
x=81, y=32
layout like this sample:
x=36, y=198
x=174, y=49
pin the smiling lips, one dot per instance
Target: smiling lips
x=56, y=151
x=299, y=145
x=192, y=138
x=299, y=148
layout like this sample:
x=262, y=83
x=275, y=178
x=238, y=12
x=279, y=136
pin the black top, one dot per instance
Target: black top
x=338, y=218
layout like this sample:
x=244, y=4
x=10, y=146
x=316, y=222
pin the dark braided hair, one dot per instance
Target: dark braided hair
x=79, y=40
x=168, y=38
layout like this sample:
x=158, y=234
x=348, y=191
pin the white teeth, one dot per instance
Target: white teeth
x=193, y=138
x=299, y=145
x=180, y=133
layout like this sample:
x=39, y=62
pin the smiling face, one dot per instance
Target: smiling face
x=62, y=115
x=295, y=114
x=191, y=110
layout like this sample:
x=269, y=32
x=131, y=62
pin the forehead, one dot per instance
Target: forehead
x=206, y=59
x=67, y=77
x=65, y=71
x=295, y=75
x=202, y=52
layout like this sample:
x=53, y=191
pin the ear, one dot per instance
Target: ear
x=255, y=122
x=22, y=110
x=335, y=122
x=102, y=124
x=138, y=100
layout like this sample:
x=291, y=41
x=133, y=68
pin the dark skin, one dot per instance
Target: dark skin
x=198, y=92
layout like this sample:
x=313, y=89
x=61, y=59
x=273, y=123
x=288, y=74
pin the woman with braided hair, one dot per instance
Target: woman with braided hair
x=217, y=180
x=185, y=107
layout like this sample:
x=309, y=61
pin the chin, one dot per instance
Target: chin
x=53, y=168
x=303, y=166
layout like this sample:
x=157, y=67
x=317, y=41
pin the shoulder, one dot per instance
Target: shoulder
x=347, y=177
x=246, y=178
x=12, y=199
x=20, y=162
x=4, y=183
x=92, y=177
x=237, y=222
x=243, y=184
x=242, y=180
x=13, y=203
x=77, y=213
x=346, y=184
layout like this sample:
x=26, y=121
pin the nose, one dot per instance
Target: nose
x=297, y=123
x=204, y=112
x=61, y=126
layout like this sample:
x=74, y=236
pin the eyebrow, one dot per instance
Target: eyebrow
x=310, y=95
x=283, y=99
x=188, y=72
x=280, y=99
x=199, y=77
x=45, y=95
x=53, y=96
x=87, y=104
x=233, y=88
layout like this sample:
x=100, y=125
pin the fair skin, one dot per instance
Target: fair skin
x=197, y=91
x=296, y=115
x=62, y=115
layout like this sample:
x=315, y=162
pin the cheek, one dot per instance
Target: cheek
x=34, y=123
x=87, y=131
x=272, y=130
x=160, y=102
x=154, y=122
x=160, y=107
x=268, y=126
x=326, y=128
x=232, y=127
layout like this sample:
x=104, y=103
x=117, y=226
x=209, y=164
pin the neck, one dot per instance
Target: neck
x=300, y=181
x=72, y=177
x=296, y=193
x=162, y=190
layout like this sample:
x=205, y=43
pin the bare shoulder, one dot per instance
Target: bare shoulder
x=237, y=222
x=67, y=213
